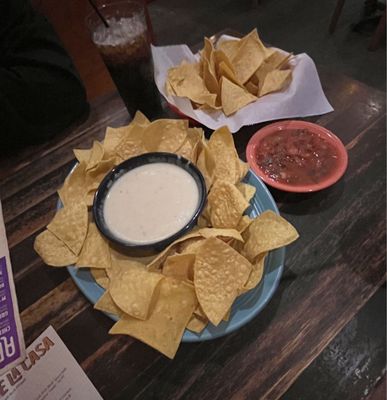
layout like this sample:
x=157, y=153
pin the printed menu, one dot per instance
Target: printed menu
x=48, y=372
x=12, y=349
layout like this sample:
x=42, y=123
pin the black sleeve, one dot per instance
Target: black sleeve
x=40, y=90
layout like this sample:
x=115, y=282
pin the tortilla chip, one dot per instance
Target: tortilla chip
x=186, y=82
x=249, y=56
x=140, y=119
x=244, y=222
x=221, y=233
x=206, y=164
x=95, y=251
x=82, y=155
x=156, y=264
x=229, y=48
x=131, y=144
x=275, y=81
x=248, y=191
x=267, y=232
x=165, y=326
x=226, y=72
x=106, y=304
x=209, y=78
x=234, y=97
x=222, y=148
x=100, y=277
x=243, y=169
x=113, y=137
x=53, y=251
x=219, y=273
x=165, y=135
x=74, y=189
x=180, y=266
x=70, y=226
x=97, y=152
x=256, y=273
x=226, y=204
x=196, y=324
x=227, y=315
x=95, y=176
x=132, y=288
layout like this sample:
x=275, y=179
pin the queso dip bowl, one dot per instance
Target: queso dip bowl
x=149, y=201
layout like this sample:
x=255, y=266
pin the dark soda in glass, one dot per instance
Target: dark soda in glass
x=125, y=49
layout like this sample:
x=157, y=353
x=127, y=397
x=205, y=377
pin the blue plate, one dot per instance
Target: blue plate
x=246, y=307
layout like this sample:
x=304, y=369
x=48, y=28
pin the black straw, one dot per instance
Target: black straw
x=99, y=13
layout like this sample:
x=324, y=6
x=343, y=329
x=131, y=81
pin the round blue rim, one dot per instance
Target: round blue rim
x=247, y=306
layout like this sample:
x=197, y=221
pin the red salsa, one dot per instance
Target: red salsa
x=296, y=156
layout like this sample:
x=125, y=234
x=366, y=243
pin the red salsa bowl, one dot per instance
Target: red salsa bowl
x=297, y=156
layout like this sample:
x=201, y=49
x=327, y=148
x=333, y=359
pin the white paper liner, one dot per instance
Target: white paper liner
x=302, y=98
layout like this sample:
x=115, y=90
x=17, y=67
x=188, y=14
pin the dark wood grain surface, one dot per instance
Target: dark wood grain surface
x=332, y=273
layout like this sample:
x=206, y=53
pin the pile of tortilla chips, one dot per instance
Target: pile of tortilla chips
x=231, y=76
x=197, y=278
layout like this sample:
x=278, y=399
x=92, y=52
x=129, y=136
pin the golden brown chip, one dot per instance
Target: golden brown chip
x=256, y=273
x=227, y=205
x=206, y=164
x=140, y=119
x=70, y=226
x=94, y=177
x=106, y=304
x=187, y=82
x=82, y=155
x=74, y=188
x=209, y=78
x=229, y=48
x=180, y=266
x=221, y=233
x=208, y=49
x=96, y=155
x=275, y=81
x=234, y=97
x=247, y=190
x=95, y=251
x=249, y=56
x=199, y=312
x=243, y=169
x=133, y=288
x=156, y=263
x=190, y=147
x=131, y=144
x=53, y=251
x=100, y=277
x=190, y=246
x=113, y=137
x=222, y=148
x=165, y=135
x=219, y=273
x=267, y=232
x=227, y=315
x=196, y=324
x=244, y=222
x=164, y=328
x=226, y=72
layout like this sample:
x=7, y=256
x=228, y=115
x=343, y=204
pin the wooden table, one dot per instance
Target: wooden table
x=323, y=331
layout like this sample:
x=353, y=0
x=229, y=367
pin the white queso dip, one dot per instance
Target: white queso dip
x=150, y=203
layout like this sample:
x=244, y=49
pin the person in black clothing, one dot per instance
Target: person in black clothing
x=40, y=91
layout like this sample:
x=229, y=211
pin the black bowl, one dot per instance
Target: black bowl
x=136, y=249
